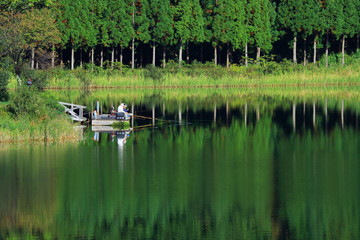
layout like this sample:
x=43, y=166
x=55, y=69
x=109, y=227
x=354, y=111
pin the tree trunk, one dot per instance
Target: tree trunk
x=343, y=50
x=81, y=57
x=180, y=53
x=112, y=57
x=53, y=56
x=294, y=50
x=32, y=58
x=246, y=54
x=72, y=58
x=314, y=114
x=314, y=59
x=258, y=53
x=201, y=53
x=245, y=115
x=327, y=50
x=92, y=55
x=154, y=53
x=133, y=40
x=133, y=54
x=342, y=114
x=305, y=52
x=187, y=53
x=61, y=58
x=164, y=57
x=357, y=42
x=121, y=55
x=141, y=55
x=294, y=116
x=215, y=55
x=102, y=56
x=228, y=56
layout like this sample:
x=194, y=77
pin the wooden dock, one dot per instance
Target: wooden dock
x=70, y=109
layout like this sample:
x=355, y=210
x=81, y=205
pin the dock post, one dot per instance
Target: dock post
x=153, y=114
x=81, y=112
x=133, y=112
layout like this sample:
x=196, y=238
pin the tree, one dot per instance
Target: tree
x=209, y=16
x=121, y=29
x=309, y=21
x=228, y=24
x=18, y=6
x=161, y=25
x=39, y=30
x=351, y=20
x=333, y=19
x=141, y=24
x=22, y=32
x=189, y=23
x=262, y=11
x=288, y=12
x=75, y=24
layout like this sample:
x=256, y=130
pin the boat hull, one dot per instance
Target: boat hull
x=107, y=122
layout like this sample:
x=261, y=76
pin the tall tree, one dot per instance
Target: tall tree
x=189, y=24
x=309, y=22
x=121, y=29
x=23, y=32
x=333, y=19
x=161, y=25
x=228, y=24
x=288, y=15
x=39, y=30
x=75, y=24
x=209, y=17
x=262, y=11
x=351, y=22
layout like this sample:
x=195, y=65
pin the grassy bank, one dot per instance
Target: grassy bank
x=206, y=98
x=203, y=75
x=32, y=116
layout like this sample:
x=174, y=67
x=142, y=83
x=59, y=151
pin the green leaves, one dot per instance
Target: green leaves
x=189, y=21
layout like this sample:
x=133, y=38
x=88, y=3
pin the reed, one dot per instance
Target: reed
x=204, y=75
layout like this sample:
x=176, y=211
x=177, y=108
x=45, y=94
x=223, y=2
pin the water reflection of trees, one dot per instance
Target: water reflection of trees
x=215, y=181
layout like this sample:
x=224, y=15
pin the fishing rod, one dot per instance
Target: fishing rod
x=157, y=119
x=143, y=127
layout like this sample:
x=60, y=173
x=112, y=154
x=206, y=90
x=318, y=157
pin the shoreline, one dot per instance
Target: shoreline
x=208, y=86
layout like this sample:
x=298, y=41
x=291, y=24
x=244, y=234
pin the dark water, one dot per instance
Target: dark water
x=230, y=170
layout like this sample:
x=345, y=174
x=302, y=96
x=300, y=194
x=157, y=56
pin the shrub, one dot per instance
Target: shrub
x=84, y=76
x=28, y=101
x=4, y=79
x=154, y=73
x=39, y=78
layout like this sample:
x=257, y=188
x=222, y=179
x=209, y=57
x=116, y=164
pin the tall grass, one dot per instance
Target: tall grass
x=203, y=75
x=31, y=115
x=35, y=130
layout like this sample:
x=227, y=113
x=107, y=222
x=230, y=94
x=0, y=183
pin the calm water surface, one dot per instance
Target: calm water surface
x=228, y=169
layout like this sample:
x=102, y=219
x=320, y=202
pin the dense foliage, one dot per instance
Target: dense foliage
x=100, y=31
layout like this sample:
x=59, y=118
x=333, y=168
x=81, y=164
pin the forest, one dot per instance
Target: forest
x=134, y=33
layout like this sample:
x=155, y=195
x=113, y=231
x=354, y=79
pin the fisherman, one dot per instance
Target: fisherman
x=29, y=82
x=95, y=115
x=123, y=108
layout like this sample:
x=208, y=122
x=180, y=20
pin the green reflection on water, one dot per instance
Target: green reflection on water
x=251, y=173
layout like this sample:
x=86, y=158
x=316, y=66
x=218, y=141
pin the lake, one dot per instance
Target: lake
x=213, y=164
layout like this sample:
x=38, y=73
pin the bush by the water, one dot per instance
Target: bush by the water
x=38, y=78
x=28, y=101
x=4, y=79
x=153, y=73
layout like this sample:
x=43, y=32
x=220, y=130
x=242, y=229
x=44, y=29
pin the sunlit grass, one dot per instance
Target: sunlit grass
x=36, y=130
x=204, y=76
